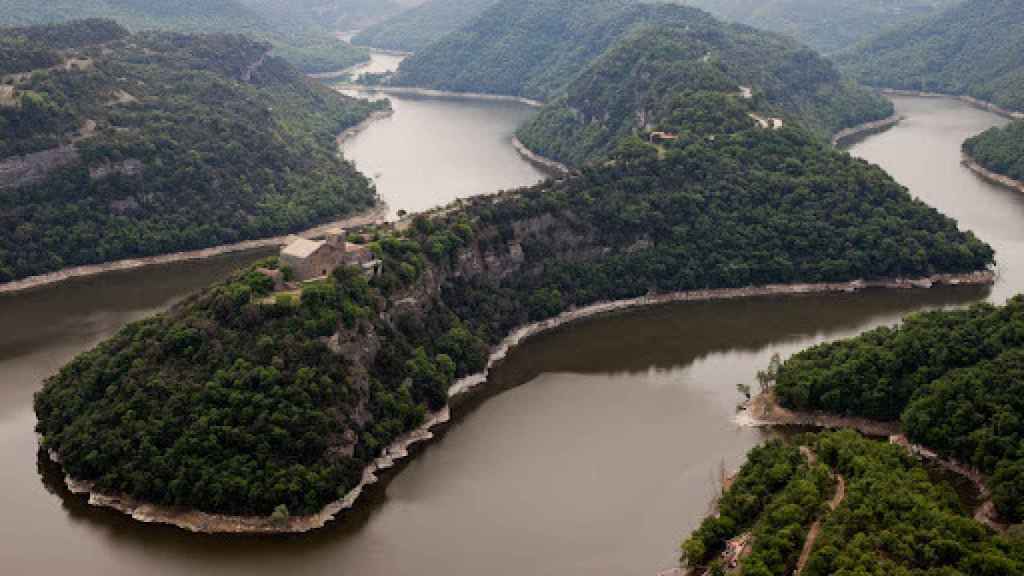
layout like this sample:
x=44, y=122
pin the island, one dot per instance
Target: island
x=116, y=145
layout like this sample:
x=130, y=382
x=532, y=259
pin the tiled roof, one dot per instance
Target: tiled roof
x=301, y=248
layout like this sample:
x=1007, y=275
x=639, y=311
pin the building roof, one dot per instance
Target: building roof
x=301, y=248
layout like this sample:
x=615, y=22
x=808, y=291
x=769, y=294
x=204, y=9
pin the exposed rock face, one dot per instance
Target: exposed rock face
x=130, y=167
x=31, y=168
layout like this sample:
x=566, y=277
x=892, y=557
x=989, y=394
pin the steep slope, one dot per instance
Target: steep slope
x=329, y=16
x=691, y=75
x=974, y=49
x=311, y=50
x=415, y=29
x=246, y=402
x=137, y=145
x=828, y=26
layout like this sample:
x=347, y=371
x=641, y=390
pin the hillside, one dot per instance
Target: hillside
x=828, y=26
x=687, y=76
x=955, y=379
x=838, y=503
x=247, y=402
x=133, y=145
x=974, y=49
x=327, y=15
x=1000, y=150
x=309, y=48
x=417, y=28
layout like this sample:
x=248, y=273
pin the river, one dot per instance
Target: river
x=593, y=450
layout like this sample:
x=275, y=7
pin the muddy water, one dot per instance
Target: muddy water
x=434, y=150
x=593, y=450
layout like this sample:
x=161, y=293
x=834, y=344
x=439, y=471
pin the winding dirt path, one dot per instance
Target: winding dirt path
x=812, y=534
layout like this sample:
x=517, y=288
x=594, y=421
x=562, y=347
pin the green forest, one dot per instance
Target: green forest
x=1000, y=150
x=179, y=142
x=421, y=26
x=894, y=517
x=298, y=38
x=242, y=401
x=828, y=26
x=954, y=379
x=685, y=78
x=975, y=49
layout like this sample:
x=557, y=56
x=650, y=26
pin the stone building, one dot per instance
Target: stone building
x=310, y=259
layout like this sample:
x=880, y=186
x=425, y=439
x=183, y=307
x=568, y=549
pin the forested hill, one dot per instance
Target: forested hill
x=247, y=402
x=310, y=48
x=842, y=504
x=417, y=28
x=693, y=76
x=828, y=26
x=330, y=16
x=954, y=378
x=115, y=146
x=1000, y=150
x=530, y=48
x=975, y=49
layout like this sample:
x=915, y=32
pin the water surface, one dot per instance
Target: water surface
x=593, y=450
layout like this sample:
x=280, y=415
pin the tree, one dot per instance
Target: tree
x=280, y=515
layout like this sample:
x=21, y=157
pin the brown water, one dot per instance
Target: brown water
x=434, y=150
x=593, y=450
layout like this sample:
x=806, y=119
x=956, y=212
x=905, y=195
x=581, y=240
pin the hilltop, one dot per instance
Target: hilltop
x=117, y=145
x=417, y=28
x=688, y=75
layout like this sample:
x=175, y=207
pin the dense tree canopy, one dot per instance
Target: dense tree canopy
x=686, y=78
x=825, y=25
x=181, y=142
x=894, y=518
x=955, y=378
x=240, y=401
x=310, y=47
x=1000, y=150
x=975, y=48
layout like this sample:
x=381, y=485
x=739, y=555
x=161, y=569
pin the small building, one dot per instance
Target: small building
x=659, y=137
x=309, y=259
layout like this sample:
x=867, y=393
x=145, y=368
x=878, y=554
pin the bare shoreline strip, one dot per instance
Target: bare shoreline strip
x=976, y=102
x=868, y=127
x=375, y=215
x=206, y=523
x=403, y=90
x=535, y=158
x=994, y=177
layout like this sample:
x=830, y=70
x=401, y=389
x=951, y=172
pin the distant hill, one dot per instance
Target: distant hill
x=308, y=48
x=825, y=25
x=327, y=15
x=693, y=76
x=975, y=48
x=115, y=145
x=419, y=27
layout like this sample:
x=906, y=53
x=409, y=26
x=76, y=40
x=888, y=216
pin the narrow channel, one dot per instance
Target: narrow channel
x=593, y=450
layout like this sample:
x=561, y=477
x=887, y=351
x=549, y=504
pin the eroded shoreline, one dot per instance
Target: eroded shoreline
x=542, y=161
x=867, y=128
x=411, y=91
x=976, y=102
x=994, y=177
x=206, y=523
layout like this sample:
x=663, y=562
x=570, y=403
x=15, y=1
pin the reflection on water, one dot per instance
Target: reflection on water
x=599, y=464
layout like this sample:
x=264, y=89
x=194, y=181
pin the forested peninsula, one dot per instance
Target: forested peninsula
x=1000, y=151
x=261, y=404
x=117, y=145
x=975, y=48
x=294, y=28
